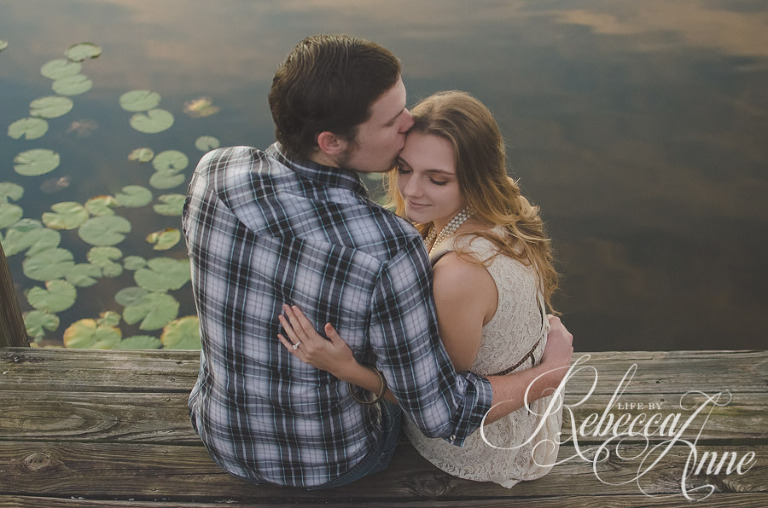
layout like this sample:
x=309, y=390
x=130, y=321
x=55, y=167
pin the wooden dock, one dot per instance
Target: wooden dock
x=110, y=428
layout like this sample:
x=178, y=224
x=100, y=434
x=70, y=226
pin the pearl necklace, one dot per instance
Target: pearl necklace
x=434, y=239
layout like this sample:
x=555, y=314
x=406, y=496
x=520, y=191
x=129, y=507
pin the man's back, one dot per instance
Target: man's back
x=261, y=232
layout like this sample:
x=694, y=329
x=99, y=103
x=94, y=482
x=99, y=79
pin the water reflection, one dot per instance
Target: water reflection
x=637, y=126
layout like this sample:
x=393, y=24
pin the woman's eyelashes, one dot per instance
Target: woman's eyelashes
x=405, y=170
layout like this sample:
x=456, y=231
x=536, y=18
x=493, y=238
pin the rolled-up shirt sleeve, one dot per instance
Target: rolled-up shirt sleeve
x=406, y=344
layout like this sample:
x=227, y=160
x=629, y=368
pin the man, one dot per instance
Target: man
x=293, y=225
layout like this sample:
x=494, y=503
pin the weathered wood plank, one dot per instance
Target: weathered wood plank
x=614, y=501
x=624, y=501
x=96, y=416
x=12, y=330
x=186, y=473
x=163, y=418
x=673, y=372
x=70, y=370
x=112, y=427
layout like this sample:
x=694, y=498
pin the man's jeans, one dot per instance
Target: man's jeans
x=380, y=455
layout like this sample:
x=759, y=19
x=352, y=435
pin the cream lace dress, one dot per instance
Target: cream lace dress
x=519, y=327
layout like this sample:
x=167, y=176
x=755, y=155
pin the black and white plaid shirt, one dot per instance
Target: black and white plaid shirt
x=263, y=230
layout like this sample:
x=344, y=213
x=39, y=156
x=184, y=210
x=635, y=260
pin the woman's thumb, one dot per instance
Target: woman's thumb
x=330, y=332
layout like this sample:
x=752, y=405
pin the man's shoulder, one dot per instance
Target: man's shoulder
x=389, y=237
x=231, y=157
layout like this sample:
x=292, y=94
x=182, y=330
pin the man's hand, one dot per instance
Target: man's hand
x=558, y=350
x=511, y=392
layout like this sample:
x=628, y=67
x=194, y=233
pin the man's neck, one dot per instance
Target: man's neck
x=323, y=159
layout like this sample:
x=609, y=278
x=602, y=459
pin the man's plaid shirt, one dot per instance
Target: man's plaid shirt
x=263, y=230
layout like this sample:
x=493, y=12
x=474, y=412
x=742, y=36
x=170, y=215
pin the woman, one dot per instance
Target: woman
x=493, y=279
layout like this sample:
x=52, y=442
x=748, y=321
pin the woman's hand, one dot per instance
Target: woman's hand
x=332, y=354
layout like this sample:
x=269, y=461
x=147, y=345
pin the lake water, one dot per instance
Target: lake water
x=638, y=127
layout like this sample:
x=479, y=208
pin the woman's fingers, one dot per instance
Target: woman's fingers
x=289, y=330
x=302, y=321
x=330, y=332
x=288, y=344
x=297, y=331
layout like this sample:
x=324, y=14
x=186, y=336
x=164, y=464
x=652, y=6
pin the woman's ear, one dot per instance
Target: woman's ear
x=331, y=143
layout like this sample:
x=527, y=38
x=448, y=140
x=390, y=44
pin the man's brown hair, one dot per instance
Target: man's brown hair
x=328, y=83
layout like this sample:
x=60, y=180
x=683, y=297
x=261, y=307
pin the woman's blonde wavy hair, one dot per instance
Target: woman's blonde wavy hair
x=481, y=171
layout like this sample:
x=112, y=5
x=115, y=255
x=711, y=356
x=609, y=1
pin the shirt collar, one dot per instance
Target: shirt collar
x=323, y=175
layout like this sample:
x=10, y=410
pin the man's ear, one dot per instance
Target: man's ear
x=331, y=143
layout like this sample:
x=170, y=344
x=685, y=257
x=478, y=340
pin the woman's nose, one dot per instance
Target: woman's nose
x=411, y=188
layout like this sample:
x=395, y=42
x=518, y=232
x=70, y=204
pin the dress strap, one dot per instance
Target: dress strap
x=436, y=257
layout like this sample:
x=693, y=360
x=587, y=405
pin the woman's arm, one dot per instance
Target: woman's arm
x=332, y=354
x=465, y=299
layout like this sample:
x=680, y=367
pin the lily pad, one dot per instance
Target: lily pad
x=59, y=295
x=134, y=262
x=163, y=274
x=166, y=180
x=134, y=196
x=50, y=107
x=172, y=204
x=36, y=162
x=104, y=257
x=83, y=275
x=109, y=318
x=207, y=143
x=9, y=214
x=183, y=333
x=105, y=230
x=139, y=100
x=49, y=264
x=28, y=128
x=66, y=215
x=154, y=311
x=60, y=68
x=101, y=205
x=72, y=85
x=202, y=106
x=141, y=155
x=82, y=51
x=38, y=321
x=87, y=334
x=132, y=295
x=11, y=191
x=165, y=239
x=153, y=121
x=26, y=225
x=26, y=234
x=171, y=161
x=140, y=342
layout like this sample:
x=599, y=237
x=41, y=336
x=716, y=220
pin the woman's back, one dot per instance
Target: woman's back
x=512, y=340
